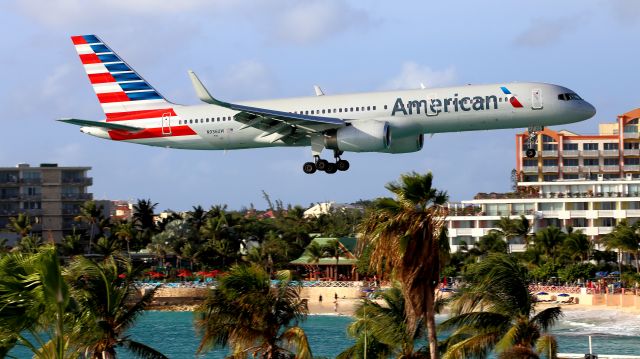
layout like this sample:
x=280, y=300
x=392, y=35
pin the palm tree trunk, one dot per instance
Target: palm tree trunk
x=637, y=262
x=431, y=322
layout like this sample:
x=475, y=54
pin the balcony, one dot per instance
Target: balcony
x=631, y=152
x=615, y=168
x=590, y=153
x=77, y=196
x=83, y=181
x=605, y=230
x=550, y=169
x=530, y=169
x=631, y=135
x=550, y=153
x=570, y=153
x=593, y=168
x=631, y=168
x=570, y=169
x=611, y=153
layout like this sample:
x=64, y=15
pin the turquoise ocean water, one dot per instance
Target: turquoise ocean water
x=173, y=333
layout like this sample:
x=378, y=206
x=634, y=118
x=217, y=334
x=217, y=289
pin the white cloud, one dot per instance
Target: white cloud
x=413, y=74
x=625, y=11
x=544, y=32
x=248, y=79
x=309, y=21
x=63, y=12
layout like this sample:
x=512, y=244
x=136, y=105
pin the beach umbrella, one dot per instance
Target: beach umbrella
x=542, y=293
x=368, y=290
x=184, y=273
x=563, y=295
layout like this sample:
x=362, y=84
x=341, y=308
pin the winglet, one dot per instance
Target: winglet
x=203, y=93
x=318, y=90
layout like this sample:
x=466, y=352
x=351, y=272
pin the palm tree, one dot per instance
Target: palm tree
x=108, y=246
x=506, y=228
x=104, y=293
x=245, y=313
x=496, y=311
x=548, y=240
x=35, y=300
x=576, y=245
x=623, y=238
x=20, y=225
x=315, y=252
x=143, y=219
x=125, y=231
x=405, y=236
x=384, y=329
x=91, y=214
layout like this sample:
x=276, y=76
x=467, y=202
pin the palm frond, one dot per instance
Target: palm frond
x=547, y=346
x=295, y=340
x=141, y=350
x=547, y=318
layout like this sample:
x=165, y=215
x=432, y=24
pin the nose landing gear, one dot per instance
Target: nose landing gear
x=533, y=140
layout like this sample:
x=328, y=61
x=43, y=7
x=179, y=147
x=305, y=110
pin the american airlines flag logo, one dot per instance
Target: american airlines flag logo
x=512, y=100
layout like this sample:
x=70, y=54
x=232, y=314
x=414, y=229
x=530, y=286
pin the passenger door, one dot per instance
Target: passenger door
x=536, y=99
x=166, y=124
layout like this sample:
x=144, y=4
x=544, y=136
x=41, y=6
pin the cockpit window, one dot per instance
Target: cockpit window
x=569, y=97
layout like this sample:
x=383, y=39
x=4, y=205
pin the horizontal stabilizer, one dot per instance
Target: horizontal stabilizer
x=101, y=124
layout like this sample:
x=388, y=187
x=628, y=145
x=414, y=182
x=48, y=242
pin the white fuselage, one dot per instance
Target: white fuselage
x=409, y=113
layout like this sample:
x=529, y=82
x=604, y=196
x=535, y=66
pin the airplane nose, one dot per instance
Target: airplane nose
x=589, y=110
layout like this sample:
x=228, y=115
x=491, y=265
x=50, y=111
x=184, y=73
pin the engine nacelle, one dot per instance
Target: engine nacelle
x=360, y=136
x=406, y=144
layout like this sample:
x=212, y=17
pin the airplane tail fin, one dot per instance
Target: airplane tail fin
x=122, y=93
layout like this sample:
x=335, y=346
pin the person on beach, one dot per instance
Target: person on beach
x=320, y=298
x=335, y=296
x=335, y=305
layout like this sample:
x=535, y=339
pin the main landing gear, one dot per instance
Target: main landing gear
x=533, y=140
x=326, y=166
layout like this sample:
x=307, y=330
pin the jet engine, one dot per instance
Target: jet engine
x=360, y=136
x=406, y=144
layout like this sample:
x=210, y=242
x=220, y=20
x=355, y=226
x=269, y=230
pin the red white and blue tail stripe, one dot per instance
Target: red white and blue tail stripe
x=122, y=93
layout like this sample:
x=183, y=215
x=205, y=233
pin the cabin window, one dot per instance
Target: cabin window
x=385, y=107
x=351, y=109
x=374, y=108
x=340, y=110
x=368, y=108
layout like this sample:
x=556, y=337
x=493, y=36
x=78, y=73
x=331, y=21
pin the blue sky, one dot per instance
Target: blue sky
x=245, y=50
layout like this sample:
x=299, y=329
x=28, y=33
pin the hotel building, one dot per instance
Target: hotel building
x=586, y=182
x=51, y=195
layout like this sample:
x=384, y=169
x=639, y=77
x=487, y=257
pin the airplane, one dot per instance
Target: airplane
x=387, y=122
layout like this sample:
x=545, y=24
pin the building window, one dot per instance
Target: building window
x=607, y=206
x=550, y=178
x=607, y=222
x=570, y=162
x=590, y=146
x=591, y=161
x=611, y=161
x=569, y=146
x=530, y=162
x=546, y=138
x=570, y=176
x=549, y=147
x=631, y=145
x=550, y=162
x=610, y=146
x=530, y=178
x=579, y=222
x=632, y=161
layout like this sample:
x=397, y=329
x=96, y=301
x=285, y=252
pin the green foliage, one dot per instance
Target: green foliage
x=495, y=311
x=545, y=271
x=249, y=316
x=573, y=272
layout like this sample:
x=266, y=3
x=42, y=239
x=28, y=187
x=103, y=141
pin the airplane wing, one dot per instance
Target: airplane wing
x=101, y=124
x=289, y=126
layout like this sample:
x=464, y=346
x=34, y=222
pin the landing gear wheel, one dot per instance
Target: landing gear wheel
x=331, y=168
x=321, y=165
x=342, y=165
x=531, y=153
x=309, y=168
